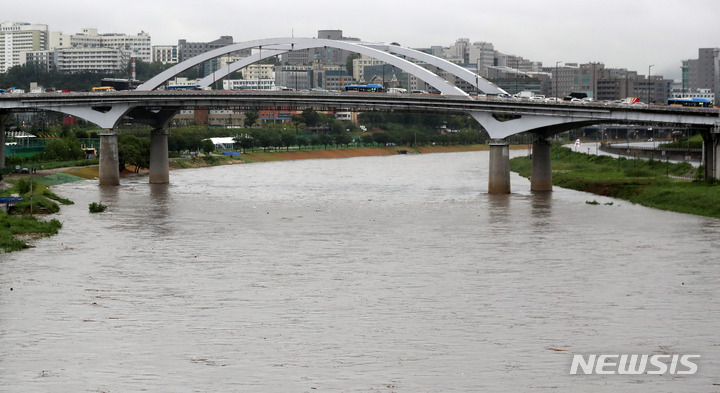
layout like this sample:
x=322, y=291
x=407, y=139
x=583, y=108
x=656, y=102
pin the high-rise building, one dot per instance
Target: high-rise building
x=703, y=72
x=483, y=55
x=187, y=50
x=18, y=37
x=325, y=55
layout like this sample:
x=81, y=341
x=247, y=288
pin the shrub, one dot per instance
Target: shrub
x=97, y=207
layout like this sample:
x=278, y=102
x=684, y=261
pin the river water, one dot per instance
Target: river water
x=371, y=274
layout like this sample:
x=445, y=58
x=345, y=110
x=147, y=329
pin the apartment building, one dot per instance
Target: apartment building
x=100, y=60
x=16, y=38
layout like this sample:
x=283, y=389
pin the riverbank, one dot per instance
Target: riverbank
x=261, y=156
x=646, y=183
x=17, y=230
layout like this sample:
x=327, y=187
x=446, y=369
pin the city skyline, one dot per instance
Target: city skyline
x=630, y=35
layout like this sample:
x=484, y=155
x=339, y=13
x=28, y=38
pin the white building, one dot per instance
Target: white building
x=16, y=38
x=258, y=71
x=89, y=38
x=105, y=60
x=166, y=54
x=249, y=84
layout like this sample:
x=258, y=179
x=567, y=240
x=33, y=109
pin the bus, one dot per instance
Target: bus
x=102, y=89
x=692, y=102
x=373, y=88
x=183, y=87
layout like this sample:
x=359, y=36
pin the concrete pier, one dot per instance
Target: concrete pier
x=3, y=121
x=541, y=175
x=499, y=179
x=109, y=159
x=711, y=145
x=159, y=162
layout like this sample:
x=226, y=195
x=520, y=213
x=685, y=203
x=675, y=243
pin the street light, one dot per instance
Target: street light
x=648, y=83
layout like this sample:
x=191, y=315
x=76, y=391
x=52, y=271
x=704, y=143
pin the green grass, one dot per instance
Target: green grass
x=17, y=227
x=638, y=181
x=12, y=226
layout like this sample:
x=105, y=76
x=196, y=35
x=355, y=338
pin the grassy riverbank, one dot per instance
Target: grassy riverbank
x=638, y=181
x=17, y=229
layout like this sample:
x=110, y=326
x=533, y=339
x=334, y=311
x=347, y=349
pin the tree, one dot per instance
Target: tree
x=245, y=142
x=349, y=62
x=251, y=118
x=367, y=139
x=133, y=151
x=382, y=138
x=207, y=146
x=302, y=141
x=288, y=139
x=343, y=139
x=310, y=117
x=64, y=149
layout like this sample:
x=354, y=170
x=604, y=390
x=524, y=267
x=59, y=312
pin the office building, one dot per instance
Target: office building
x=137, y=45
x=703, y=72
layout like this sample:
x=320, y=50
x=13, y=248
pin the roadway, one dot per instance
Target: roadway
x=594, y=149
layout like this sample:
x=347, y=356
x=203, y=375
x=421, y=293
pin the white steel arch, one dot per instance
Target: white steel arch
x=474, y=79
x=275, y=46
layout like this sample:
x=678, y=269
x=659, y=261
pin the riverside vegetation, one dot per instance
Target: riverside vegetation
x=17, y=228
x=645, y=182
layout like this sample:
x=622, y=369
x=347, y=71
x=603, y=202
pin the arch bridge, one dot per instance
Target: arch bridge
x=499, y=117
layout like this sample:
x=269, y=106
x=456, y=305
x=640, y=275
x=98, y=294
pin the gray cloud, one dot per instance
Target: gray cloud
x=632, y=34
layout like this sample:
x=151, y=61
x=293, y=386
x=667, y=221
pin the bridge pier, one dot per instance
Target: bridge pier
x=109, y=158
x=711, y=144
x=499, y=179
x=159, y=161
x=3, y=120
x=541, y=174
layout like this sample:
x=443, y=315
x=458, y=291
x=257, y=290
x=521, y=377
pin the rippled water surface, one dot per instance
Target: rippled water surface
x=373, y=274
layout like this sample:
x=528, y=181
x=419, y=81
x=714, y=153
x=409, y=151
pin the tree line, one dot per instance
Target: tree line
x=21, y=76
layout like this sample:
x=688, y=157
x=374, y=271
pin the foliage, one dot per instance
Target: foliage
x=51, y=195
x=11, y=226
x=65, y=149
x=251, y=118
x=638, y=181
x=693, y=142
x=97, y=207
x=207, y=146
x=21, y=76
x=23, y=185
x=133, y=151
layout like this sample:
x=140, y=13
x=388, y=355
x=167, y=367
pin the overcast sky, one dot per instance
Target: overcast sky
x=619, y=33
